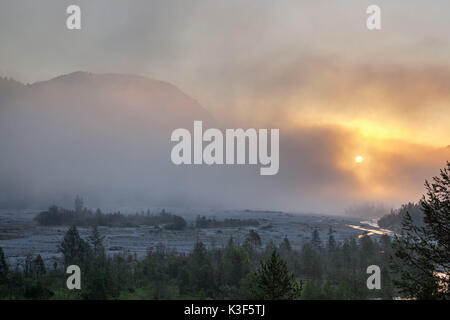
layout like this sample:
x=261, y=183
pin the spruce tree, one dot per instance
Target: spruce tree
x=236, y=265
x=315, y=239
x=331, y=240
x=200, y=269
x=96, y=241
x=78, y=204
x=253, y=240
x=273, y=281
x=3, y=266
x=39, y=266
x=285, y=246
x=423, y=252
x=74, y=249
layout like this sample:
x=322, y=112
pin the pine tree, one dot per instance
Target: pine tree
x=74, y=249
x=28, y=265
x=311, y=264
x=78, y=204
x=39, y=266
x=273, y=281
x=253, y=240
x=285, y=246
x=386, y=247
x=367, y=246
x=230, y=243
x=3, y=266
x=270, y=246
x=331, y=240
x=200, y=269
x=423, y=252
x=96, y=241
x=315, y=239
x=236, y=265
x=97, y=285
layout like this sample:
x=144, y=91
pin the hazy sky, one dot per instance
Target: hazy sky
x=182, y=40
x=228, y=53
x=309, y=67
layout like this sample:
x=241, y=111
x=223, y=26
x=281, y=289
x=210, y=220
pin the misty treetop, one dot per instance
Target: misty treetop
x=80, y=216
x=395, y=217
x=422, y=252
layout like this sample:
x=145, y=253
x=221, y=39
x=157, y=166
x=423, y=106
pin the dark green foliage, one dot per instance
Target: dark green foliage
x=269, y=248
x=39, y=266
x=423, y=252
x=331, y=240
x=4, y=269
x=96, y=242
x=285, y=246
x=178, y=223
x=232, y=272
x=201, y=270
x=35, y=289
x=58, y=216
x=236, y=265
x=34, y=266
x=315, y=239
x=253, y=240
x=394, y=219
x=227, y=273
x=97, y=284
x=273, y=281
x=74, y=249
x=367, y=246
x=311, y=266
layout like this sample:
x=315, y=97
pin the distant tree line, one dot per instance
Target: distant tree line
x=395, y=218
x=81, y=216
x=203, y=222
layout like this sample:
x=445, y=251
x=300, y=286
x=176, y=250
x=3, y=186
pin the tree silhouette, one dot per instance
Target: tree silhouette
x=78, y=204
x=3, y=266
x=96, y=241
x=39, y=266
x=422, y=253
x=273, y=281
x=74, y=249
x=285, y=246
x=331, y=240
x=253, y=239
x=315, y=239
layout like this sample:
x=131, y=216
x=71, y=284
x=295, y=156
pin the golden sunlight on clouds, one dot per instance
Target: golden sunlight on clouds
x=382, y=102
x=396, y=117
x=324, y=158
x=383, y=130
x=388, y=129
x=389, y=168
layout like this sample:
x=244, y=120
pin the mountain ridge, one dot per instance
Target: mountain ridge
x=144, y=88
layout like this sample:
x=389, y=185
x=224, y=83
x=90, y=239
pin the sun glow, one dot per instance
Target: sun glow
x=359, y=159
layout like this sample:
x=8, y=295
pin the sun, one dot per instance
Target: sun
x=359, y=159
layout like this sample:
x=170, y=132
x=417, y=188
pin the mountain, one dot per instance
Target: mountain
x=84, y=132
x=102, y=94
